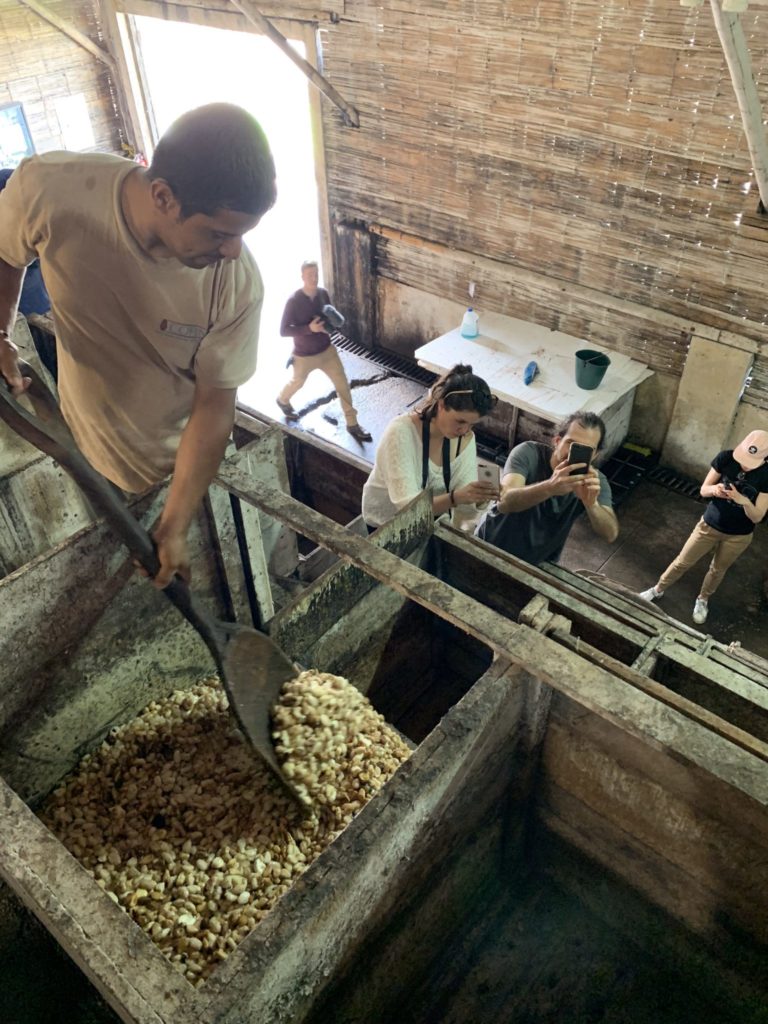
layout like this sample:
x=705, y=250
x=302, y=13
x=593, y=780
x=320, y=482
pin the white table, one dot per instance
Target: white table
x=504, y=348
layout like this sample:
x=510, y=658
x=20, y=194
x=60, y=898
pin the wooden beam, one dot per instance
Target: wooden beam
x=251, y=12
x=739, y=64
x=132, y=110
x=69, y=30
x=683, y=705
x=592, y=686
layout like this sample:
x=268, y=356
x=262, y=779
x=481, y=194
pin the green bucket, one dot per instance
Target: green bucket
x=590, y=368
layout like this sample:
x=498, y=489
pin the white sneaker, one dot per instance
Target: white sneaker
x=700, y=611
x=652, y=594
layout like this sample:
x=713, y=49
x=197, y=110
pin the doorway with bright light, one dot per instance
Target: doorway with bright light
x=187, y=65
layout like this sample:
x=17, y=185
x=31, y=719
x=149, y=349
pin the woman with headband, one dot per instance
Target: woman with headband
x=433, y=448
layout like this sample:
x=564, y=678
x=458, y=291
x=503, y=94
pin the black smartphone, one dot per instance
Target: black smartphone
x=580, y=453
x=746, y=489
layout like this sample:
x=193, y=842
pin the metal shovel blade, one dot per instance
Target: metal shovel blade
x=254, y=672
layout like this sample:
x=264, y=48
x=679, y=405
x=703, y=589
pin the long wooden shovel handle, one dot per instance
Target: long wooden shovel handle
x=47, y=430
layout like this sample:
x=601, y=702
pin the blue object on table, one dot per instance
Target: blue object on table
x=530, y=372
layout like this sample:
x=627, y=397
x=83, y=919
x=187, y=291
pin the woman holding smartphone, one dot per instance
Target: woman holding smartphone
x=432, y=448
x=737, y=486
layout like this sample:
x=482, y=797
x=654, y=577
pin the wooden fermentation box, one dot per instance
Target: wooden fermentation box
x=525, y=745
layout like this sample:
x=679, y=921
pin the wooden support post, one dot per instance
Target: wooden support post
x=647, y=659
x=243, y=562
x=512, y=439
x=251, y=12
x=134, y=113
x=538, y=615
x=737, y=55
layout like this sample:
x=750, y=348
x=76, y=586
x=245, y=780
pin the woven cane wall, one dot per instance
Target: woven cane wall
x=583, y=161
x=594, y=144
x=41, y=65
x=756, y=391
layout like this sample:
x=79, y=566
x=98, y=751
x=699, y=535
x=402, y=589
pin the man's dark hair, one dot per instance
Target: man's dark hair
x=588, y=420
x=461, y=390
x=216, y=158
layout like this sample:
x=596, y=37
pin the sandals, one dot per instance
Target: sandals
x=359, y=433
x=287, y=410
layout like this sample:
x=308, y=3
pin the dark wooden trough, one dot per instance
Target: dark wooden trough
x=566, y=829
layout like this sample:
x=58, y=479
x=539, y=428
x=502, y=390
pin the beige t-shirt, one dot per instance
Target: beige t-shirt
x=133, y=332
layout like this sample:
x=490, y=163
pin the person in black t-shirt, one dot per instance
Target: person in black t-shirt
x=737, y=485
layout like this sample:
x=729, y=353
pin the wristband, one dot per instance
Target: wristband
x=453, y=499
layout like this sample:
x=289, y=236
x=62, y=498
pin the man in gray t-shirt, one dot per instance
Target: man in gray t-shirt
x=541, y=495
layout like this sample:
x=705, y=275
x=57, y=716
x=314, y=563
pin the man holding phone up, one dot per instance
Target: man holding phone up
x=543, y=491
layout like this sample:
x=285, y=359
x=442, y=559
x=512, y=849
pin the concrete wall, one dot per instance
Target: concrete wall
x=652, y=410
x=748, y=418
x=706, y=406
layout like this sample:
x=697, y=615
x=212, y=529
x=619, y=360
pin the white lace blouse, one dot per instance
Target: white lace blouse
x=396, y=476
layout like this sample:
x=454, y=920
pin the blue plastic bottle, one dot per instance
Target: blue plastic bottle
x=469, y=324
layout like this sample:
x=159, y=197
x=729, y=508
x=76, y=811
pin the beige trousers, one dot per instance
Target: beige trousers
x=727, y=548
x=330, y=363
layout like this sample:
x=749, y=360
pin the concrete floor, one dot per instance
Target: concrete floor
x=655, y=521
x=378, y=395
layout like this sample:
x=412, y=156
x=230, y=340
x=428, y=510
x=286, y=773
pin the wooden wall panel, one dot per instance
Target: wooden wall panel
x=592, y=154
x=661, y=344
x=690, y=845
x=590, y=144
x=40, y=65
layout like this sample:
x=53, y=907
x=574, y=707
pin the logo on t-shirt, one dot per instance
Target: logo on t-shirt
x=187, y=332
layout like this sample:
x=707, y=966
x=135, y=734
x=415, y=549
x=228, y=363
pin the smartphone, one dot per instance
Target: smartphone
x=489, y=473
x=746, y=489
x=580, y=453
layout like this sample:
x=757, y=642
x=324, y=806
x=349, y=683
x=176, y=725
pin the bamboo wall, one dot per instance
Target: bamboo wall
x=587, y=143
x=583, y=161
x=577, y=142
x=40, y=65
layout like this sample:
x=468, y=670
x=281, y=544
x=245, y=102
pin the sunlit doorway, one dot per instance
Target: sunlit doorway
x=187, y=65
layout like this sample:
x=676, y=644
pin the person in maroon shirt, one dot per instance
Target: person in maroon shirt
x=312, y=349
